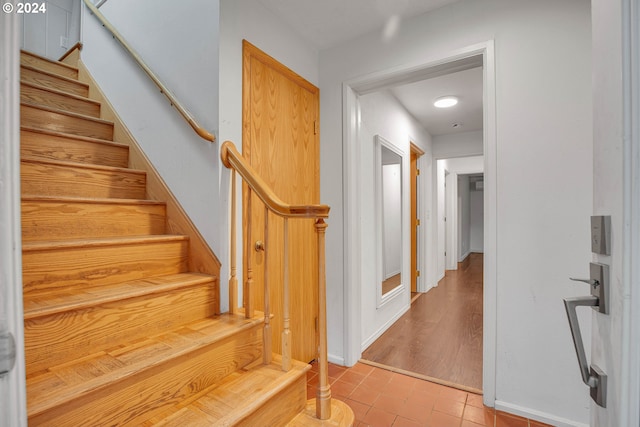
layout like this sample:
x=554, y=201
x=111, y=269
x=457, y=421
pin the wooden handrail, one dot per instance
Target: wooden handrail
x=202, y=132
x=232, y=159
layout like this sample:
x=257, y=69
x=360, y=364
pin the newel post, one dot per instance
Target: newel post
x=323, y=394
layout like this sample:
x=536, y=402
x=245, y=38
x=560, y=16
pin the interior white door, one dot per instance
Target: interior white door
x=12, y=383
x=616, y=191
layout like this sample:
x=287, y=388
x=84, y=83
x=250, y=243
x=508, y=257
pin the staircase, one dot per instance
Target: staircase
x=120, y=328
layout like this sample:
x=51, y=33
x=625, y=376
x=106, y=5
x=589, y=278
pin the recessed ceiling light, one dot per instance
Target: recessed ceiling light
x=445, y=102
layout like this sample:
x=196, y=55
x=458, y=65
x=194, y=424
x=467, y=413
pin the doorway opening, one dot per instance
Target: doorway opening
x=356, y=338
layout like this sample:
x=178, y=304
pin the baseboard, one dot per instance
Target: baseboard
x=439, y=278
x=476, y=251
x=332, y=358
x=532, y=414
x=463, y=257
x=383, y=328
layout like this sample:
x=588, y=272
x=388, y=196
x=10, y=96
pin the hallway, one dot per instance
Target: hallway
x=440, y=337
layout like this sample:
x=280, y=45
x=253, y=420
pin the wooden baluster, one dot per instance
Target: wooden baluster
x=323, y=394
x=233, y=279
x=266, y=337
x=286, y=332
x=248, y=248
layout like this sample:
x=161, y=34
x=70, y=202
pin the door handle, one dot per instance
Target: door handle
x=592, y=376
x=259, y=246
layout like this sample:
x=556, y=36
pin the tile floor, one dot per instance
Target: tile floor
x=381, y=398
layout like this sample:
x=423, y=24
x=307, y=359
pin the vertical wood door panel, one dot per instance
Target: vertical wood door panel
x=280, y=112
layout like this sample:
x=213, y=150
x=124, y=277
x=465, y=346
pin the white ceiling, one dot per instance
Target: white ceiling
x=327, y=23
x=418, y=99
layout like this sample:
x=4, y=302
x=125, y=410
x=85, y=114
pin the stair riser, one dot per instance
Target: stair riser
x=54, y=82
x=45, y=179
x=62, y=337
x=51, y=220
x=59, y=122
x=101, y=265
x=32, y=61
x=136, y=399
x=280, y=409
x=40, y=96
x=53, y=147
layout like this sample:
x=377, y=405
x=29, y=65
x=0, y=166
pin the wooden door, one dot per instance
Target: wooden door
x=415, y=221
x=281, y=141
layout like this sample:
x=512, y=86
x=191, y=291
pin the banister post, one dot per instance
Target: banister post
x=233, y=279
x=323, y=394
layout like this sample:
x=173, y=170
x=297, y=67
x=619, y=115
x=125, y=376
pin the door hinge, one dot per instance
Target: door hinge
x=417, y=171
x=417, y=222
x=316, y=127
x=445, y=253
x=7, y=352
x=417, y=273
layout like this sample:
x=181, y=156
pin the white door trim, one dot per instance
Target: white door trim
x=12, y=386
x=352, y=258
x=631, y=213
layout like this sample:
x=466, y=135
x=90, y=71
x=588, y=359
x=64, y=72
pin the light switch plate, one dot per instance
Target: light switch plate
x=601, y=234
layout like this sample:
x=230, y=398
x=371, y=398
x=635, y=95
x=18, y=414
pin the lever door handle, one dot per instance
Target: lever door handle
x=592, y=376
x=592, y=282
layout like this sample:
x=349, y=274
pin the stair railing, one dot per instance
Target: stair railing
x=233, y=160
x=201, y=131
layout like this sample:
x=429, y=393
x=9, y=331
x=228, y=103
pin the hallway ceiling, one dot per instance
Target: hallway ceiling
x=418, y=97
x=327, y=23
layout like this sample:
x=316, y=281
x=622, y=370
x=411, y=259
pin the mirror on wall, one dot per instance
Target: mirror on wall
x=389, y=206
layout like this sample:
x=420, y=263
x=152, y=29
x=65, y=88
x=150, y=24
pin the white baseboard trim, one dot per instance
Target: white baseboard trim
x=366, y=343
x=476, y=251
x=338, y=360
x=463, y=257
x=439, y=278
x=532, y=414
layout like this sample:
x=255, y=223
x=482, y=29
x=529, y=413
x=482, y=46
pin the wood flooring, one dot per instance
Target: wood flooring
x=441, y=335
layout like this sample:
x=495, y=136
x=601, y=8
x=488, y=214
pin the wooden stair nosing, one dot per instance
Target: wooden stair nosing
x=234, y=324
x=73, y=136
x=45, y=95
x=92, y=297
x=51, y=61
x=54, y=75
x=67, y=113
x=298, y=369
x=47, y=245
x=61, y=92
x=63, y=163
x=89, y=200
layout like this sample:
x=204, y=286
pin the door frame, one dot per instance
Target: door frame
x=352, y=188
x=13, y=407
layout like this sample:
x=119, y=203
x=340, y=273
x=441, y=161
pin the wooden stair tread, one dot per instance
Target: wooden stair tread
x=51, y=61
x=66, y=113
x=38, y=304
x=36, y=198
x=29, y=159
x=99, y=242
x=59, y=92
x=237, y=396
x=65, y=383
x=52, y=74
x=73, y=136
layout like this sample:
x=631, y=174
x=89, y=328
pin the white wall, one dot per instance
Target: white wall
x=381, y=114
x=464, y=218
x=460, y=144
x=543, y=72
x=188, y=164
x=476, y=221
x=42, y=31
